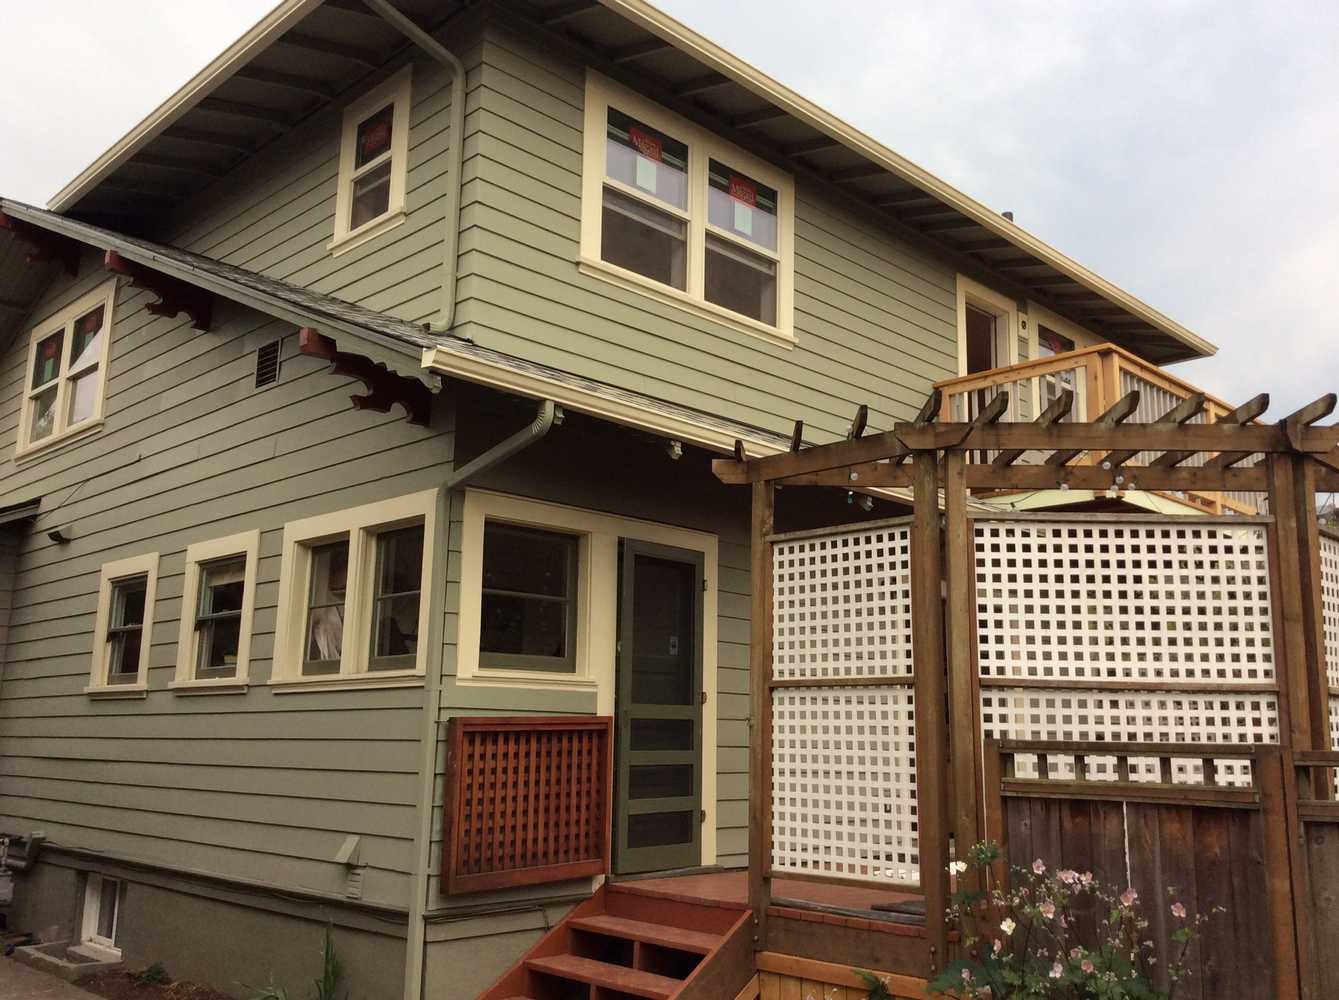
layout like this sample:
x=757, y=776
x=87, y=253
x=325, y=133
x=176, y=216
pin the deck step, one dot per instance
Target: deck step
x=697, y=942
x=613, y=977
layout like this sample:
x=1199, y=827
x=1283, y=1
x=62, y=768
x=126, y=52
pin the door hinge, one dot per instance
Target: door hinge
x=704, y=585
x=704, y=697
x=702, y=816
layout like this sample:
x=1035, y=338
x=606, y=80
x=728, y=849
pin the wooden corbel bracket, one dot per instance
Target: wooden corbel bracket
x=174, y=295
x=385, y=388
x=46, y=246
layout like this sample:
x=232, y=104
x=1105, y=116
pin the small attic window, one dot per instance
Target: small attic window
x=267, y=364
x=373, y=161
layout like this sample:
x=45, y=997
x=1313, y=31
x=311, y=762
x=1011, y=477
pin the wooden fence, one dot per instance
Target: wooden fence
x=527, y=800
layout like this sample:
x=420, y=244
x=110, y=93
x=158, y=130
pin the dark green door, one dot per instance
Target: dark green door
x=658, y=796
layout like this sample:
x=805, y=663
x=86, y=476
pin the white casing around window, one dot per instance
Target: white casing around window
x=143, y=565
x=247, y=545
x=703, y=146
x=94, y=888
x=397, y=91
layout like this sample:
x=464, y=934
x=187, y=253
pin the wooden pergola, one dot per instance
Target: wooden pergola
x=1289, y=462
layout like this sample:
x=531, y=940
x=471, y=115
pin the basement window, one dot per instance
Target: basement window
x=373, y=164
x=102, y=913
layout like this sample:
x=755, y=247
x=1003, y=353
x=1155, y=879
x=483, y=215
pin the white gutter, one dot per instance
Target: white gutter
x=261, y=36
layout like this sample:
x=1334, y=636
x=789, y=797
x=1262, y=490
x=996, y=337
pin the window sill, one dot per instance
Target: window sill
x=345, y=242
x=220, y=685
x=86, y=429
x=110, y=691
x=533, y=679
x=349, y=682
x=682, y=300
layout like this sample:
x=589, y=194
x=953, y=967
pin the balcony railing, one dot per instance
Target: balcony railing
x=1098, y=376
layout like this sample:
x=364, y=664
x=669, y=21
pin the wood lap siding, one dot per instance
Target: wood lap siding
x=257, y=786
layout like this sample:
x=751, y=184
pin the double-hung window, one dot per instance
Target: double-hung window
x=123, y=629
x=67, y=369
x=218, y=601
x=353, y=594
x=675, y=211
x=373, y=163
x=529, y=599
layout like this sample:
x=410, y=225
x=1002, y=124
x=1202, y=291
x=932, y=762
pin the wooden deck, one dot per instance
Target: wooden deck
x=730, y=888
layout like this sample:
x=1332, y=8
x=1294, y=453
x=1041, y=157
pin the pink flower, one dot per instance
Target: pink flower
x=1047, y=909
x=999, y=946
x=1086, y=878
x=1178, y=911
x=1057, y=970
x=1068, y=877
x=966, y=975
x=1038, y=867
x=1128, y=897
x=1087, y=966
x=1075, y=952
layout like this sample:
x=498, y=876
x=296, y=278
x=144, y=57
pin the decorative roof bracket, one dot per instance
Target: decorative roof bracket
x=174, y=295
x=384, y=387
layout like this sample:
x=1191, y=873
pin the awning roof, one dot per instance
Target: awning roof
x=257, y=89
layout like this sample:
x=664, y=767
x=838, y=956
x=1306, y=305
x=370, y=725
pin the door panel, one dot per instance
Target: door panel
x=658, y=796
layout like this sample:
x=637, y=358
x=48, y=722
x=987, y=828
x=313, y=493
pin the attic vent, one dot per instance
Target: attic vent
x=267, y=364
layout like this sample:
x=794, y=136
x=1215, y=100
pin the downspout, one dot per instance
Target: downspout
x=546, y=416
x=451, y=239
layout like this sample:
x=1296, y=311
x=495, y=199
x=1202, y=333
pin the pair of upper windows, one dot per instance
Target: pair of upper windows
x=680, y=208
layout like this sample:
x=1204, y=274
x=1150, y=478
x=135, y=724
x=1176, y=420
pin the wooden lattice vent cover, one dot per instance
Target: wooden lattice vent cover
x=527, y=800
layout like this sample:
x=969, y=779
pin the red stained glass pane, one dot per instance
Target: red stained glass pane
x=374, y=136
x=46, y=361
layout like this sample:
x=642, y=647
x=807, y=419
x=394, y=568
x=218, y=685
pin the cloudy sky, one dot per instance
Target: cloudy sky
x=1184, y=149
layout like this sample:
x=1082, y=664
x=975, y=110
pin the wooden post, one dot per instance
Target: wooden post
x=964, y=730
x=927, y=641
x=1313, y=618
x=1290, y=644
x=760, y=709
x=1278, y=812
x=995, y=821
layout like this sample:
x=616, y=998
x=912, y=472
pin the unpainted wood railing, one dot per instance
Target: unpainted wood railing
x=1098, y=376
x=527, y=800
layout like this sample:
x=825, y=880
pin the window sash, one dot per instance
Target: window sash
x=67, y=371
x=565, y=664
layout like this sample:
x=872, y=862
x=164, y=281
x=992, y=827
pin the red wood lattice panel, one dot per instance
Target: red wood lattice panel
x=527, y=800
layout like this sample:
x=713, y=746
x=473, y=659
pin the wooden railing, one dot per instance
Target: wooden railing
x=1098, y=376
x=527, y=800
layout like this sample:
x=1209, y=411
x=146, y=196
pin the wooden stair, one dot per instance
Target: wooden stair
x=623, y=944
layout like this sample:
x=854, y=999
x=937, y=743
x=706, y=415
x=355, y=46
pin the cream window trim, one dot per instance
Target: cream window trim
x=94, y=887
x=1000, y=306
x=104, y=295
x=703, y=146
x=247, y=545
x=597, y=611
x=395, y=91
x=361, y=525
x=113, y=572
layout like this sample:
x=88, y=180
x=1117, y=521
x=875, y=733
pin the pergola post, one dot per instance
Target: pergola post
x=1290, y=647
x=964, y=701
x=927, y=642
x=1313, y=620
x=760, y=708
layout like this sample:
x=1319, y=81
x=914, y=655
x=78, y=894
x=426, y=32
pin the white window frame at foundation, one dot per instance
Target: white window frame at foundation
x=361, y=526
x=114, y=573
x=199, y=558
x=95, y=886
x=395, y=93
x=703, y=147
x=64, y=322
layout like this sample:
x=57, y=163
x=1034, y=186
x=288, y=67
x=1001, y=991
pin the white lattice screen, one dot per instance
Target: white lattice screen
x=1329, y=590
x=1122, y=602
x=843, y=756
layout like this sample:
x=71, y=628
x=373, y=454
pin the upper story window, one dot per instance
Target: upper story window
x=673, y=210
x=987, y=328
x=373, y=163
x=354, y=588
x=67, y=371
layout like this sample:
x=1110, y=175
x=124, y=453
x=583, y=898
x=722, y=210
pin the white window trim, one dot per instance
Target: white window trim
x=395, y=90
x=147, y=566
x=94, y=886
x=361, y=525
x=1000, y=306
x=104, y=294
x=597, y=611
x=1038, y=316
x=246, y=544
x=703, y=146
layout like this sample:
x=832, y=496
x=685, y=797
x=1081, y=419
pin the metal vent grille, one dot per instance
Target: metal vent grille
x=267, y=364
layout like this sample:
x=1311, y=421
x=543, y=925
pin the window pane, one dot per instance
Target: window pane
x=641, y=239
x=83, y=397
x=741, y=281
x=528, y=587
x=128, y=602
x=123, y=665
x=1050, y=343
x=647, y=159
x=325, y=615
x=396, y=609
x=87, y=343
x=220, y=639
x=400, y=561
x=374, y=136
x=524, y=626
x=371, y=195
x=223, y=586
x=107, y=901
x=43, y=415
x=526, y=561
x=742, y=206
x=46, y=360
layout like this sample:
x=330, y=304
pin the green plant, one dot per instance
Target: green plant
x=1058, y=935
x=325, y=987
x=153, y=975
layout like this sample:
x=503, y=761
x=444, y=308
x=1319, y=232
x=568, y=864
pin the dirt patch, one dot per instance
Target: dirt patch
x=122, y=985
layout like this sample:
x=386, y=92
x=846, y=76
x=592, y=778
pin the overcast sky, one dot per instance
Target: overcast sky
x=1187, y=150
